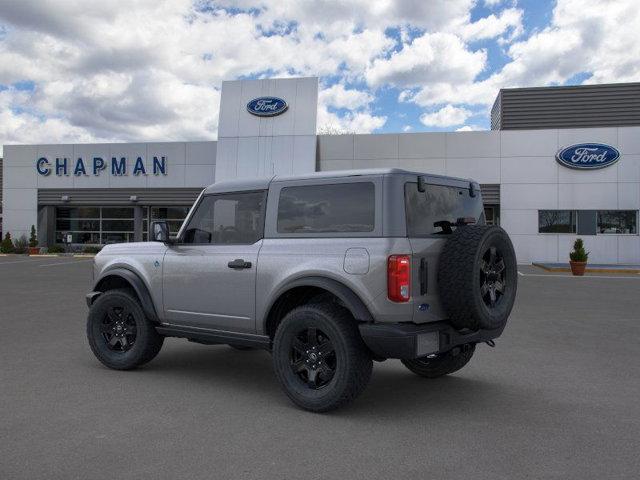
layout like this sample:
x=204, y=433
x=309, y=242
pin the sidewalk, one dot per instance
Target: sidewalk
x=591, y=268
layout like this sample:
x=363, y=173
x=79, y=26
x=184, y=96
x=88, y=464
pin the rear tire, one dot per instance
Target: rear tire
x=119, y=334
x=444, y=364
x=320, y=358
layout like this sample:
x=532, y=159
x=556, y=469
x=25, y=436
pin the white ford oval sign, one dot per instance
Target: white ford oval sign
x=588, y=156
x=267, y=106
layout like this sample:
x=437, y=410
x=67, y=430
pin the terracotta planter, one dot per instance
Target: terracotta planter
x=578, y=268
x=34, y=250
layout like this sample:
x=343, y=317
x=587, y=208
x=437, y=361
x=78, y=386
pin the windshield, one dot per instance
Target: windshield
x=439, y=209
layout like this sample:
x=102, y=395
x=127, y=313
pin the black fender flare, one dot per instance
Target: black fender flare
x=350, y=299
x=138, y=286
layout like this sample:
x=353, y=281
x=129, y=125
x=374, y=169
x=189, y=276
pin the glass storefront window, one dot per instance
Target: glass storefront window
x=117, y=225
x=94, y=225
x=117, y=212
x=78, y=224
x=174, y=216
x=92, y=238
x=556, y=221
x=78, y=212
x=618, y=221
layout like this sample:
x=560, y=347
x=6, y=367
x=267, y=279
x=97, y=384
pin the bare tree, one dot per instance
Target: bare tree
x=332, y=129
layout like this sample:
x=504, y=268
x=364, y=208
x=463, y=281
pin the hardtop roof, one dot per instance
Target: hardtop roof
x=262, y=183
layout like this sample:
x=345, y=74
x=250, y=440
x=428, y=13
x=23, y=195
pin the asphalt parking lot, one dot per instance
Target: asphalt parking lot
x=559, y=397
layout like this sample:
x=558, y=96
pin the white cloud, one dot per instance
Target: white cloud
x=358, y=118
x=433, y=57
x=407, y=128
x=469, y=128
x=332, y=16
x=338, y=96
x=351, y=122
x=583, y=37
x=447, y=116
x=509, y=20
x=152, y=70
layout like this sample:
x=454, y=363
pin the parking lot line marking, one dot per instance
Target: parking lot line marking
x=65, y=263
x=573, y=276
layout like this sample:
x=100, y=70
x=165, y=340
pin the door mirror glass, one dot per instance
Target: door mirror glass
x=160, y=232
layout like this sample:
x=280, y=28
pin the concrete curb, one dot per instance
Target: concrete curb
x=588, y=269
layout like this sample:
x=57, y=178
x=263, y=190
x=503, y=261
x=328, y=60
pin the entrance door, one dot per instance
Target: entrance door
x=209, y=276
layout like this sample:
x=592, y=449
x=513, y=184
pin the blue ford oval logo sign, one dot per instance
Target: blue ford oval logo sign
x=267, y=106
x=588, y=156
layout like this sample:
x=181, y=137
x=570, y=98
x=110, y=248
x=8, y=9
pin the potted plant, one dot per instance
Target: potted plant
x=33, y=242
x=7, y=244
x=578, y=258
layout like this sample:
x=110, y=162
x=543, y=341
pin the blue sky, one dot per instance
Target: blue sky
x=77, y=71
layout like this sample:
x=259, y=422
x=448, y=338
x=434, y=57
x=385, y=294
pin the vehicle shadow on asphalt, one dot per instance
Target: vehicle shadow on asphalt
x=392, y=392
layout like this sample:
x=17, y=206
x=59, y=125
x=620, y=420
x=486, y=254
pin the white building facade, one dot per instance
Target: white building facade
x=102, y=193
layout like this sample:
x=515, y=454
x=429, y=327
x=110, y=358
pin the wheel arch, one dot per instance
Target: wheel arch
x=310, y=287
x=122, y=278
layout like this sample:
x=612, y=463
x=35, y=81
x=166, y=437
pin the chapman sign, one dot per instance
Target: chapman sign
x=96, y=165
x=267, y=106
x=588, y=156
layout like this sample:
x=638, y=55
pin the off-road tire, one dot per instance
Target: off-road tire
x=147, y=342
x=443, y=364
x=353, y=363
x=459, y=277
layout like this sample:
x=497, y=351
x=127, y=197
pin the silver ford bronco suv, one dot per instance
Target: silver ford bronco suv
x=327, y=271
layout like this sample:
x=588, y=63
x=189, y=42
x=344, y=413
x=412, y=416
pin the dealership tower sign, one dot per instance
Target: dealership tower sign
x=267, y=106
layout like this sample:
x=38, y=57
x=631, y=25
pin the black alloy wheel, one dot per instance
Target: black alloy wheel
x=313, y=357
x=119, y=333
x=492, y=281
x=119, y=329
x=478, y=277
x=319, y=357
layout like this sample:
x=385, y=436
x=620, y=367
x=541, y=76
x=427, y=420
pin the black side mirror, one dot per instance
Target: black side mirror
x=160, y=232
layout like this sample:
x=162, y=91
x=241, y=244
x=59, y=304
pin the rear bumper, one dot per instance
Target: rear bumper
x=408, y=340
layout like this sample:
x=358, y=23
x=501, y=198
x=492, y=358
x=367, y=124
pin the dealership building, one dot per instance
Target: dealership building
x=559, y=162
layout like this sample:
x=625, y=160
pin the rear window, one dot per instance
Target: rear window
x=337, y=208
x=436, y=210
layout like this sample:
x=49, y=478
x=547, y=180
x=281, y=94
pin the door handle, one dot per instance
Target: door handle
x=238, y=264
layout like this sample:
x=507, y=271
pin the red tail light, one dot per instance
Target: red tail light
x=399, y=278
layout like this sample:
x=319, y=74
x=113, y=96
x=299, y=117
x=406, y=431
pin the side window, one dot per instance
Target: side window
x=337, y=208
x=227, y=219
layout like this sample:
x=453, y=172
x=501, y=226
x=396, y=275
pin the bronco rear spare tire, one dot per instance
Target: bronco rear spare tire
x=478, y=277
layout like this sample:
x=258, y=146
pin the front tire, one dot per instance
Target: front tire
x=320, y=358
x=119, y=333
x=443, y=364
